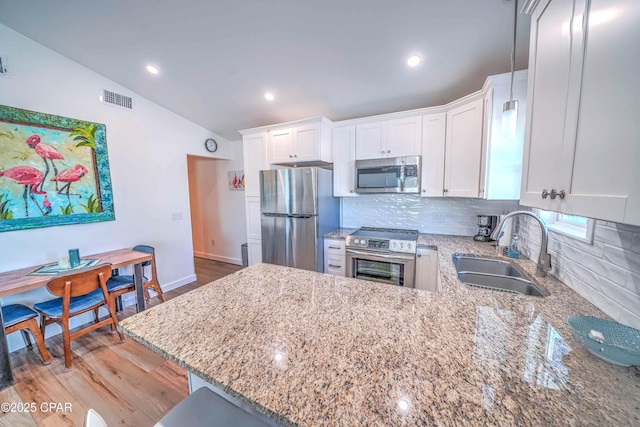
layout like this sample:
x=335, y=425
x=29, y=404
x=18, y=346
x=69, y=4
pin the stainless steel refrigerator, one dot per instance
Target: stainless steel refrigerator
x=298, y=208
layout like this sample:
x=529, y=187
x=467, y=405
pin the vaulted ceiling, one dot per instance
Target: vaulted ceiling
x=338, y=58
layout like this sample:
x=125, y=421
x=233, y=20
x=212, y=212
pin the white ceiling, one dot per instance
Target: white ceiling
x=337, y=58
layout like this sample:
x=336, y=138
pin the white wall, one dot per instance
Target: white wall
x=217, y=213
x=148, y=150
x=606, y=272
x=454, y=216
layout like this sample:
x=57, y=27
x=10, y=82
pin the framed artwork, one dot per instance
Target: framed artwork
x=53, y=171
x=236, y=180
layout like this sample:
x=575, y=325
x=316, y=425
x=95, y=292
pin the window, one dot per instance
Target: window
x=578, y=227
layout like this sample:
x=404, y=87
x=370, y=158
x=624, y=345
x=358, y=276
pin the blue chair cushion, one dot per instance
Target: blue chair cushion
x=53, y=308
x=16, y=313
x=116, y=283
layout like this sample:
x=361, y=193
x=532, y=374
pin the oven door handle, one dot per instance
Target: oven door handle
x=399, y=257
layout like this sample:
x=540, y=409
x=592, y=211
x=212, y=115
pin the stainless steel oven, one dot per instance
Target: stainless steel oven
x=382, y=255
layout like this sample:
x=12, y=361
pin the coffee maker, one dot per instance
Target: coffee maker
x=486, y=225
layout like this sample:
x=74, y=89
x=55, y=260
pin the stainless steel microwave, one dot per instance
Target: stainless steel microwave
x=388, y=175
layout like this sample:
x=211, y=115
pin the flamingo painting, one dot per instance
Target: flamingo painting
x=48, y=153
x=32, y=179
x=73, y=187
x=69, y=176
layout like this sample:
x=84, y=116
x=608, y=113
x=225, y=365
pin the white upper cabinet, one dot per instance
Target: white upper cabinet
x=390, y=138
x=502, y=152
x=433, y=143
x=255, y=160
x=307, y=141
x=581, y=139
x=344, y=155
x=463, y=150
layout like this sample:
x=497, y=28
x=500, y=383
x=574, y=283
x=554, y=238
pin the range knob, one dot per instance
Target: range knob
x=408, y=245
x=394, y=245
x=401, y=245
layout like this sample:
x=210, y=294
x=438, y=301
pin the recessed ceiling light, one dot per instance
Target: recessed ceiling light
x=269, y=96
x=414, y=60
x=152, y=69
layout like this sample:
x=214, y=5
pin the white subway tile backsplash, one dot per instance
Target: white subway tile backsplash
x=625, y=259
x=423, y=214
x=606, y=272
x=633, y=282
x=613, y=236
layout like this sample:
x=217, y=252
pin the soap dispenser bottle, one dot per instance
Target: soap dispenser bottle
x=514, y=249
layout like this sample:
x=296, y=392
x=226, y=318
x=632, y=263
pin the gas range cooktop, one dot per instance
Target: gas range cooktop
x=383, y=239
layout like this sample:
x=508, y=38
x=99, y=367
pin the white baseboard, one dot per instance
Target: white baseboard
x=220, y=258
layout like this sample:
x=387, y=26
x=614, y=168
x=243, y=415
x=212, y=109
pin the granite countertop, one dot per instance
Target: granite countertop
x=313, y=349
x=340, y=233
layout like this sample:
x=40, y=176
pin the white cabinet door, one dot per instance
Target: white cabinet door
x=427, y=275
x=254, y=251
x=255, y=160
x=253, y=217
x=582, y=127
x=463, y=150
x=371, y=141
x=306, y=143
x=281, y=146
x=433, y=143
x=344, y=153
x=404, y=137
x=550, y=54
x=604, y=147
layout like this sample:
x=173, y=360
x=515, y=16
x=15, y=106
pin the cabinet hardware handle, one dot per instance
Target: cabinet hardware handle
x=555, y=194
x=388, y=151
x=335, y=266
x=382, y=152
x=295, y=155
x=445, y=190
x=290, y=156
x=545, y=193
x=419, y=255
x=424, y=191
x=335, y=247
x=352, y=191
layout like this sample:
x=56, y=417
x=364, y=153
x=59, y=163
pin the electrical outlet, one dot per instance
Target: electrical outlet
x=4, y=71
x=213, y=242
x=438, y=217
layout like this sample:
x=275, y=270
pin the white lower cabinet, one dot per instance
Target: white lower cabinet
x=254, y=234
x=335, y=257
x=254, y=251
x=427, y=277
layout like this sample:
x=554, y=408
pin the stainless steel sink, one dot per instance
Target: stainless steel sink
x=495, y=274
x=486, y=265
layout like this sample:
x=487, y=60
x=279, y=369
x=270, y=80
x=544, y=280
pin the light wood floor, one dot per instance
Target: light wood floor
x=126, y=383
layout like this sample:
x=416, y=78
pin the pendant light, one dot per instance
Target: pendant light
x=510, y=108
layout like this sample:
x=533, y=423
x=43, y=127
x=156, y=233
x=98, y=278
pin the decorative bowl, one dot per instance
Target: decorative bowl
x=610, y=341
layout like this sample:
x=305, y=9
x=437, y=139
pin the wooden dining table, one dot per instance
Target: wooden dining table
x=17, y=281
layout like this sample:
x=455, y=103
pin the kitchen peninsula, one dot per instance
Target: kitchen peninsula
x=311, y=349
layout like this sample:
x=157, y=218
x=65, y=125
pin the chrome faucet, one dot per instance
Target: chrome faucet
x=544, y=260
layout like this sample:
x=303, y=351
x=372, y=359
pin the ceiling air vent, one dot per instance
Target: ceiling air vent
x=122, y=101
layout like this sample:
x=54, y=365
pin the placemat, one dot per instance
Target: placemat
x=54, y=267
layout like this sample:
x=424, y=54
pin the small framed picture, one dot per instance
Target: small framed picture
x=236, y=180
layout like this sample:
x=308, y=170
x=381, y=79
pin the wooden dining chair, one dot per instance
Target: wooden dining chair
x=18, y=317
x=79, y=292
x=120, y=285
